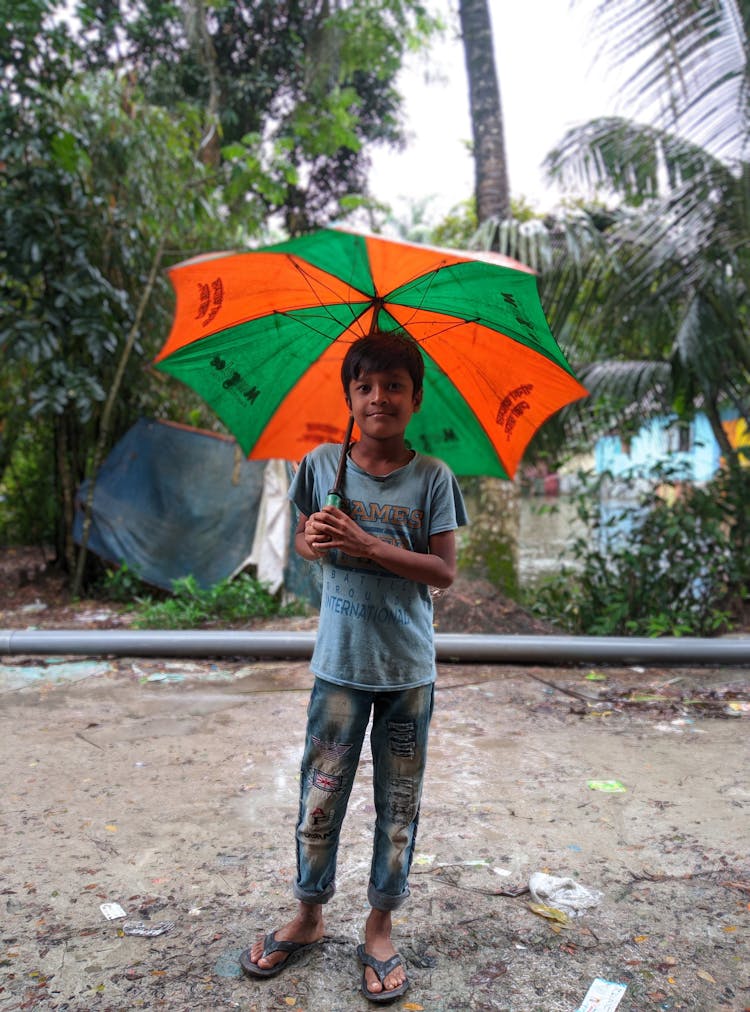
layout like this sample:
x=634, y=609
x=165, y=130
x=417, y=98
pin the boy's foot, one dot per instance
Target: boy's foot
x=379, y=947
x=268, y=955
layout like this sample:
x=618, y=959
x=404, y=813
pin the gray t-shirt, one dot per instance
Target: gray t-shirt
x=375, y=628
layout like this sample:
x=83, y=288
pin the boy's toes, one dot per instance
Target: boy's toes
x=371, y=979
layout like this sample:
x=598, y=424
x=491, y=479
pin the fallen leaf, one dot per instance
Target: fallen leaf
x=705, y=975
x=640, y=938
x=290, y=1001
x=729, y=927
x=413, y=1007
x=111, y=828
x=667, y=965
x=551, y=913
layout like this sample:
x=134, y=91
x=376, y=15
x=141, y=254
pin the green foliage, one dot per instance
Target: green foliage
x=122, y=585
x=228, y=601
x=672, y=562
x=94, y=181
x=671, y=296
x=135, y=136
x=189, y=605
x=27, y=502
x=314, y=80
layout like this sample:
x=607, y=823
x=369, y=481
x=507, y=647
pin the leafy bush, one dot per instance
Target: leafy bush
x=27, y=513
x=122, y=585
x=672, y=562
x=228, y=601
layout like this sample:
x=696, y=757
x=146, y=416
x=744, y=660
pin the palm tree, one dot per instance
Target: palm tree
x=492, y=190
x=673, y=323
x=680, y=287
x=492, y=547
x=688, y=63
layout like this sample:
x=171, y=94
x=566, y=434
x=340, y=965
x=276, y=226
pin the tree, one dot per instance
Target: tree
x=679, y=233
x=491, y=188
x=130, y=139
x=305, y=88
x=95, y=181
x=689, y=71
x=492, y=548
x=672, y=315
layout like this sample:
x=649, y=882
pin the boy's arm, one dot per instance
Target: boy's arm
x=332, y=528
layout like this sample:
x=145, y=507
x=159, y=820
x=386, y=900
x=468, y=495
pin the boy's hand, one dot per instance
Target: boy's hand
x=332, y=528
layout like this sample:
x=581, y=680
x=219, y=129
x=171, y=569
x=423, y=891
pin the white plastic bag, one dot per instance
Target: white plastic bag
x=563, y=894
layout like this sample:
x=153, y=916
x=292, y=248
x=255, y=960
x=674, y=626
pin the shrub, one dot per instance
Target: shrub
x=228, y=601
x=671, y=562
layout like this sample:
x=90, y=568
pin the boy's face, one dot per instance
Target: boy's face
x=383, y=402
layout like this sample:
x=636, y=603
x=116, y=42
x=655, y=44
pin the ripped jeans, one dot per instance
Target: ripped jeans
x=337, y=719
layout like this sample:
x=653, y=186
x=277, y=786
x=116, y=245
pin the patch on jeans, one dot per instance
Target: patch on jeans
x=319, y=823
x=328, y=782
x=401, y=808
x=330, y=750
x=402, y=737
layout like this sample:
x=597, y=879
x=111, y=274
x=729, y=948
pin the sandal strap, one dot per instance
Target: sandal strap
x=271, y=945
x=382, y=967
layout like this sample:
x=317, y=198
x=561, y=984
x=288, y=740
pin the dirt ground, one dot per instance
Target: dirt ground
x=168, y=786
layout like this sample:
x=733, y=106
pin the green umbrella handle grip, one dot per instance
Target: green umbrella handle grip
x=335, y=496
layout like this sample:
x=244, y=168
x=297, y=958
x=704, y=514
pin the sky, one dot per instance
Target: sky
x=545, y=57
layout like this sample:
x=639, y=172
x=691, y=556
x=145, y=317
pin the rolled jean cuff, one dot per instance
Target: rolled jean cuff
x=306, y=897
x=385, y=901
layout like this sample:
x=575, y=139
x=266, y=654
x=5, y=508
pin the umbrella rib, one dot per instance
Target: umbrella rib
x=297, y=264
x=316, y=330
x=430, y=277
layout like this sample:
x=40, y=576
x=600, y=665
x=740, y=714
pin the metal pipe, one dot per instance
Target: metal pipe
x=554, y=651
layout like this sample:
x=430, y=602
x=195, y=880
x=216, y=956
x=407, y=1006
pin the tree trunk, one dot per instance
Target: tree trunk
x=491, y=185
x=106, y=419
x=491, y=549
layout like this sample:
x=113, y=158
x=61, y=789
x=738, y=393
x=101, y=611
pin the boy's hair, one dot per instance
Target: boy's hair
x=380, y=351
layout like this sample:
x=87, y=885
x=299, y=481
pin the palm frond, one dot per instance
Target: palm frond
x=689, y=62
x=636, y=161
x=632, y=382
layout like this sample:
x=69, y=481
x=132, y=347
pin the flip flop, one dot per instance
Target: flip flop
x=382, y=968
x=295, y=950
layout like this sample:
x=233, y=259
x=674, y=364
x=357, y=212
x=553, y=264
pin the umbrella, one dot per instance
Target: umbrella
x=261, y=336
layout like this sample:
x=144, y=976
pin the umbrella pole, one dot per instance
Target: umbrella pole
x=336, y=494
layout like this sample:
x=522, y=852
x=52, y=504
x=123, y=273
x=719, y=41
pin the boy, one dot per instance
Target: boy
x=392, y=540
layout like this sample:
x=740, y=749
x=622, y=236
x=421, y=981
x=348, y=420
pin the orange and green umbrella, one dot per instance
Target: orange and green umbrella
x=261, y=336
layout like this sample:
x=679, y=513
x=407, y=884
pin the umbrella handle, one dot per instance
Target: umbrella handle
x=336, y=494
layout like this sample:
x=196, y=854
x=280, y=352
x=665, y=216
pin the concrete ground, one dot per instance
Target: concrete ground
x=170, y=788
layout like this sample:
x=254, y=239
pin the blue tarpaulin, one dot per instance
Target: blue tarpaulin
x=171, y=501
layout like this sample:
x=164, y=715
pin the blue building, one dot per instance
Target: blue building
x=687, y=446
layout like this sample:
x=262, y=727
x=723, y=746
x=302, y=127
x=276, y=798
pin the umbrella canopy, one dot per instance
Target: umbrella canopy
x=261, y=337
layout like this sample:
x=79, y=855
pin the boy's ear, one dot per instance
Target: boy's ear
x=418, y=400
